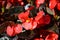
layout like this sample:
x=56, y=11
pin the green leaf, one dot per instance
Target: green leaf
x=33, y=12
x=27, y=35
x=54, y=28
x=15, y=10
x=2, y=9
x=49, y=11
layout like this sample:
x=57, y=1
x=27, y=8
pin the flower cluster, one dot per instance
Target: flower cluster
x=30, y=17
x=31, y=23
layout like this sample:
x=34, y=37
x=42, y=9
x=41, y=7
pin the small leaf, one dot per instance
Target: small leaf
x=2, y=9
x=49, y=11
x=56, y=17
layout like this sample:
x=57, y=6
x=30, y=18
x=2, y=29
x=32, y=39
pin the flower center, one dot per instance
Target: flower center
x=27, y=20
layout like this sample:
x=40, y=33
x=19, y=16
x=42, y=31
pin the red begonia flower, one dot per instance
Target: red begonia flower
x=15, y=29
x=18, y=29
x=52, y=36
x=58, y=6
x=29, y=24
x=52, y=4
x=39, y=15
x=44, y=20
x=10, y=31
x=39, y=2
x=23, y=16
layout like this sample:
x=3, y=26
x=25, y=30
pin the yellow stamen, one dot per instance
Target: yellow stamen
x=27, y=20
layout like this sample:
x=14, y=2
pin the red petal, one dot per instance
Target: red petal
x=38, y=2
x=52, y=36
x=41, y=21
x=12, y=1
x=23, y=16
x=10, y=31
x=27, y=25
x=18, y=29
x=41, y=39
x=58, y=6
x=52, y=4
x=30, y=8
x=39, y=15
x=47, y=19
x=34, y=25
x=22, y=3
